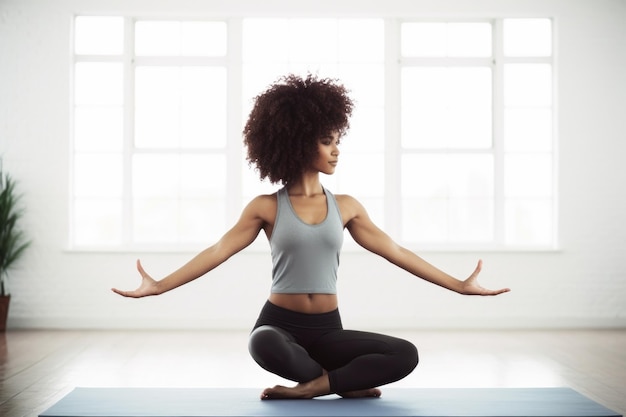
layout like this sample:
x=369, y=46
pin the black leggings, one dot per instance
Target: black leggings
x=300, y=346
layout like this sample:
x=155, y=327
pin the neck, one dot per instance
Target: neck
x=308, y=185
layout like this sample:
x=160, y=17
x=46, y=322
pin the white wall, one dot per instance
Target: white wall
x=581, y=285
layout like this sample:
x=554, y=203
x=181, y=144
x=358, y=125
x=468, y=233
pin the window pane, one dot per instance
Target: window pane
x=446, y=108
x=172, y=38
x=447, y=198
x=447, y=176
x=157, y=126
x=98, y=83
x=423, y=39
x=529, y=222
x=186, y=192
x=202, y=220
x=264, y=41
x=424, y=220
x=163, y=220
x=527, y=85
x=203, y=38
x=180, y=107
x=471, y=220
x=312, y=40
x=203, y=176
x=361, y=40
x=438, y=220
x=527, y=37
x=98, y=129
x=174, y=175
x=469, y=39
x=527, y=129
x=97, y=221
x=528, y=175
x=98, y=175
x=155, y=220
x=155, y=175
x=430, y=39
x=203, y=107
x=99, y=35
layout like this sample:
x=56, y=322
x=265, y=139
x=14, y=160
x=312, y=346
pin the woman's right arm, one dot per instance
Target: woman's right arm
x=242, y=234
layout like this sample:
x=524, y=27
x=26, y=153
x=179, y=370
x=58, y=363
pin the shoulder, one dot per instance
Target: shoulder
x=262, y=207
x=346, y=199
x=350, y=208
x=262, y=202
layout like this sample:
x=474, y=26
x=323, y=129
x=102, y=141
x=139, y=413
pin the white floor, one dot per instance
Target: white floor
x=37, y=368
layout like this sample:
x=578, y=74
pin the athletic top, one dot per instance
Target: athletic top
x=305, y=257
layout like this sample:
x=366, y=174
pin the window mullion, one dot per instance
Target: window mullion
x=129, y=117
x=234, y=143
x=393, y=157
x=498, y=133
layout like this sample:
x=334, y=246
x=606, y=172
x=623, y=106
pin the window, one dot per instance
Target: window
x=451, y=141
x=476, y=133
x=150, y=131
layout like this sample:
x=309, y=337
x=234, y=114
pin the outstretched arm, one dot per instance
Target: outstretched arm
x=240, y=236
x=369, y=236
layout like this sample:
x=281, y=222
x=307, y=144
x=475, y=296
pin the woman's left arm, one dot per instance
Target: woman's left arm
x=370, y=237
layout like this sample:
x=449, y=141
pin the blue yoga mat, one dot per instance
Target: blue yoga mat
x=398, y=402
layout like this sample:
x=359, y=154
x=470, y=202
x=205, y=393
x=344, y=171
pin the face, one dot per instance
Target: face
x=327, y=154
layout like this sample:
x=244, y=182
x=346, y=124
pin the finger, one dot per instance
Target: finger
x=471, y=280
x=120, y=292
x=479, y=267
x=140, y=269
x=497, y=292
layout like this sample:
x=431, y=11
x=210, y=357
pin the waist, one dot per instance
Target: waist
x=305, y=303
x=295, y=322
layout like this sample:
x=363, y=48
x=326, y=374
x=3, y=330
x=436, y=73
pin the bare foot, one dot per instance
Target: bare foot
x=302, y=391
x=315, y=388
x=372, y=392
x=281, y=392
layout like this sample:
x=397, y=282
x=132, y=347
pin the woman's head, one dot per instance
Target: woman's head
x=287, y=121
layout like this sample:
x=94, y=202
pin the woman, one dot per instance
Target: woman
x=293, y=134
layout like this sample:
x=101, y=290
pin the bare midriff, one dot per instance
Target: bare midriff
x=305, y=303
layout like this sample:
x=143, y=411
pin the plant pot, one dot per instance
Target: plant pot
x=4, y=311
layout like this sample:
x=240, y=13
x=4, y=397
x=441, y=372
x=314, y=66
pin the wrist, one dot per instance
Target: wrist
x=157, y=288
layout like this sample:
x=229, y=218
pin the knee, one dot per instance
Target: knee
x=263, y=341
x=276, y=351
x=408, y=355
x=413, y=355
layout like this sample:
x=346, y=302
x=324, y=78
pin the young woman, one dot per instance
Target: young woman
x=293, y=134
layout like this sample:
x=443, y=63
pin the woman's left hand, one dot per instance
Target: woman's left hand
x=472, y=287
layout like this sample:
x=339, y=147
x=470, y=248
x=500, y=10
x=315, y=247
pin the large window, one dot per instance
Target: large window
x=476, y=133
x=451, y=142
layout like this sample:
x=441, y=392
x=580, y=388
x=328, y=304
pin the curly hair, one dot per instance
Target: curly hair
x=287, y=121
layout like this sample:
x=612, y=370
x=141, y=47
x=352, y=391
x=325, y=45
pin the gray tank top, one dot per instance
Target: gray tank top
x=305, y=257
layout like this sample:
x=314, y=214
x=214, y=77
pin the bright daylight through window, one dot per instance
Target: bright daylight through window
x=452, y=134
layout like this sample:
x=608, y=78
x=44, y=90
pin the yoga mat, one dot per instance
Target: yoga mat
x=398, y=402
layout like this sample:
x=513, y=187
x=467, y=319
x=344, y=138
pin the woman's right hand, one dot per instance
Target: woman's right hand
x=148, y=285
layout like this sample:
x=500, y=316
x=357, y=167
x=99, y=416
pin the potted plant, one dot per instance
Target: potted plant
x=13, y=241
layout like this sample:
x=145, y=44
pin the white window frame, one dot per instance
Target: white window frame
x=393, y=149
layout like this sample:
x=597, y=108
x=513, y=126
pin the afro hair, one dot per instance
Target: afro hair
x=287, y=121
